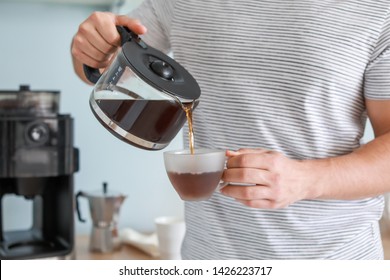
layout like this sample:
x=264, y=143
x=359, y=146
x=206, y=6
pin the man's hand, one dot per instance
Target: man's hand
x=266, y=179
x=97, y=40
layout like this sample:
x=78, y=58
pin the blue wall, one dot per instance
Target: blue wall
x=35, y=49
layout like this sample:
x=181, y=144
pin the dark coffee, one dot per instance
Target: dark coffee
x=157, y=121
x=195, y=186
x=188, y=109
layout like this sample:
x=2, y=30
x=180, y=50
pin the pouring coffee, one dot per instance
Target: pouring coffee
x=144, y=96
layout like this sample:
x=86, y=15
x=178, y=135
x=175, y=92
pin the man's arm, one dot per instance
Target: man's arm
x=365, y=172
x=275, y=181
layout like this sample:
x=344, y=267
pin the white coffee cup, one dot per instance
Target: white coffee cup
x=170, y=234
x=195, y=176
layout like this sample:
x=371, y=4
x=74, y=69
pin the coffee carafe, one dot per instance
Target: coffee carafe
x=142, y=96
x=104, y=207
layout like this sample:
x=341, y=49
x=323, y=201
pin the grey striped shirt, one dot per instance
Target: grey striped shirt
x=290, y=76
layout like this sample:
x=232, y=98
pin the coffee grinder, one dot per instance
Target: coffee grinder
x=37, y=163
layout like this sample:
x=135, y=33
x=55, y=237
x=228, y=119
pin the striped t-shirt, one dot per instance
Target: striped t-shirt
x=289, y=76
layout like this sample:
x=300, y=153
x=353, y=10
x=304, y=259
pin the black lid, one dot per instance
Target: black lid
x=159, y=70
x=26, y=88
x=27, y=101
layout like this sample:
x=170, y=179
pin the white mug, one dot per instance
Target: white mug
x=170, y=234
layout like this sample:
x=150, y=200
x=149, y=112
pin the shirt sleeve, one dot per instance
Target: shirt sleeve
x=377, y=75
x=156, y=15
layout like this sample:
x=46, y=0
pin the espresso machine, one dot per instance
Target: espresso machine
x=37, y=165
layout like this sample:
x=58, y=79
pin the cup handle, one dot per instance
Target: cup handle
x=221, y=185
x=80, y=193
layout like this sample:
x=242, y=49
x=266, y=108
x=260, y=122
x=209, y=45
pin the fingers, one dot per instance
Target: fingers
x=261, y=159
x=264, y=178
x=86, y=50
x=248, y=176
x=263, y=204
x=133, y=24
x=97, y=39
x=256, y=196
x=247, y=192
x=92, y=45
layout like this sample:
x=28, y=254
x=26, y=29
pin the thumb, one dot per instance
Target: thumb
x=133, y=24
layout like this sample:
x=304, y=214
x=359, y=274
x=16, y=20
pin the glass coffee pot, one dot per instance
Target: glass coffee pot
x=142, y=96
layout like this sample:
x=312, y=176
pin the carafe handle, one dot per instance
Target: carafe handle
x=80, y=193
x=93, y=74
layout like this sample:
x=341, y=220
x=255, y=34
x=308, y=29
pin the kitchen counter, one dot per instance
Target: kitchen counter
x=127, y=252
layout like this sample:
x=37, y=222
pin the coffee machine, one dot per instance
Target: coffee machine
x=37, y=163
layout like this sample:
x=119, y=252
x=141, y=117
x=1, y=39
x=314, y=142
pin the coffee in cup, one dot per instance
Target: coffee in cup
x=195, y=176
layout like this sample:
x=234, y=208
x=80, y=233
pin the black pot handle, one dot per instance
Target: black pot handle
x=80, y=193
x=93, y=74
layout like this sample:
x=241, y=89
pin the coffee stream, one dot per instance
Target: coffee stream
x=193, y=186
x=188, y=109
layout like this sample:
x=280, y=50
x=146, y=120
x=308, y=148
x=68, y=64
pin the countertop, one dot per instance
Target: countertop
x=127, y=252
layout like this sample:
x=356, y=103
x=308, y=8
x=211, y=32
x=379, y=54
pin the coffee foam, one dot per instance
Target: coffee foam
x=204, y=160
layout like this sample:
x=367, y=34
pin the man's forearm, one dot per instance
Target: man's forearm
x=360, y=174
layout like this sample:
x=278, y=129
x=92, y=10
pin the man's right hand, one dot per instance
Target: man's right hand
x=97, y=40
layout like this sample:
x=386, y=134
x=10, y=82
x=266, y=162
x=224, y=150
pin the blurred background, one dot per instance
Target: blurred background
x=35, y=50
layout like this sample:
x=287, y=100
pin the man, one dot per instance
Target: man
x=286, y=88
